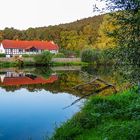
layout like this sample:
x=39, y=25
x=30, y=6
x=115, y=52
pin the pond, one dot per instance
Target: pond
x=33, y=101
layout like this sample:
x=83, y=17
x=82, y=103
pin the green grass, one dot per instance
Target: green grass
x=26, y=63
x=15, y=64
x=8, y=64
x=115, y=117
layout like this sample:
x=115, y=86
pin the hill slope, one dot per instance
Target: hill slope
x=70, y=36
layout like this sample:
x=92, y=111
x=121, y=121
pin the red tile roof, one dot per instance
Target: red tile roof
x=42, y=45
x=8, y=81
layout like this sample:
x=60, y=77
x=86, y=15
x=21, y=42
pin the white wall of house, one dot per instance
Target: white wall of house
x=14, y=51
x=54, y=51
x=2, y=50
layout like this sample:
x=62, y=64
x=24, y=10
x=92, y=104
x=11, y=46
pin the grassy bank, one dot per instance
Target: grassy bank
x=8, y=64
x=16, y=64
x=105, y=118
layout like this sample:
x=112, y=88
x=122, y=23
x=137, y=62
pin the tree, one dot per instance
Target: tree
x=1, y=36
x=107, y=27
x=71, y=40
x=31, y=34
x=128, y=35
x=10, y=33
x=44, y=58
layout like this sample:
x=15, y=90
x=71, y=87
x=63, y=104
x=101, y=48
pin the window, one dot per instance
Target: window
x=20, y=50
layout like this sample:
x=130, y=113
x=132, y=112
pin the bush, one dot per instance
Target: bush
x=69, y=53
x=28, y=55
x=25, y=55
x=44, y=58
x=2, y=55
x=59, y=55
x=106, y=57
x=98, y=56
x=90, y=55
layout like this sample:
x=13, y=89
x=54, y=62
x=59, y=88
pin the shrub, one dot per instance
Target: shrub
x=106, y=57
x=69, y=53
x=44, y=58
x=2, y=55
x=28, y=55
x=90, y=55
x=59, y=55
x=25, y=55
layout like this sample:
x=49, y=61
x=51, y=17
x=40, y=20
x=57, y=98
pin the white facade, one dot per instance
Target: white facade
x=9, y=51
x=14, y=51
x=23, y=51
x=20, y=51
x=54, y=51
x=2, y=50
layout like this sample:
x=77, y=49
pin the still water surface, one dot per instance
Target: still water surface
x=32, y=100
x=25, y=114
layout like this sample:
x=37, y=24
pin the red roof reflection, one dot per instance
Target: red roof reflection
x=13, y=81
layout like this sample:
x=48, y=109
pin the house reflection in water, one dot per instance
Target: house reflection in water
x=11, y=78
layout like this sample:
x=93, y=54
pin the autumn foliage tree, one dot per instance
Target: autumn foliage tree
x=72, y=36
x=128, y=34
x=107, y=28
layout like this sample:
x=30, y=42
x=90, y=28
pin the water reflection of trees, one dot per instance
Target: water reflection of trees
x=108, y=73
x=121, y=77
x=68, y=79
x=64, y=83
x=44, y=72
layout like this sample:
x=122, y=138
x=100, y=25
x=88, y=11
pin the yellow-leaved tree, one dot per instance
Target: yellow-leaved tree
x=107, y=28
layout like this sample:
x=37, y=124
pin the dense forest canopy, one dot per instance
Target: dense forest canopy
x=71, y=36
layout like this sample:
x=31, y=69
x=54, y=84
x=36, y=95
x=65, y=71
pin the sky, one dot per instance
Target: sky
x=22, y=14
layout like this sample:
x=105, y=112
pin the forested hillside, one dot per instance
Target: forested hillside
x=71, y=36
